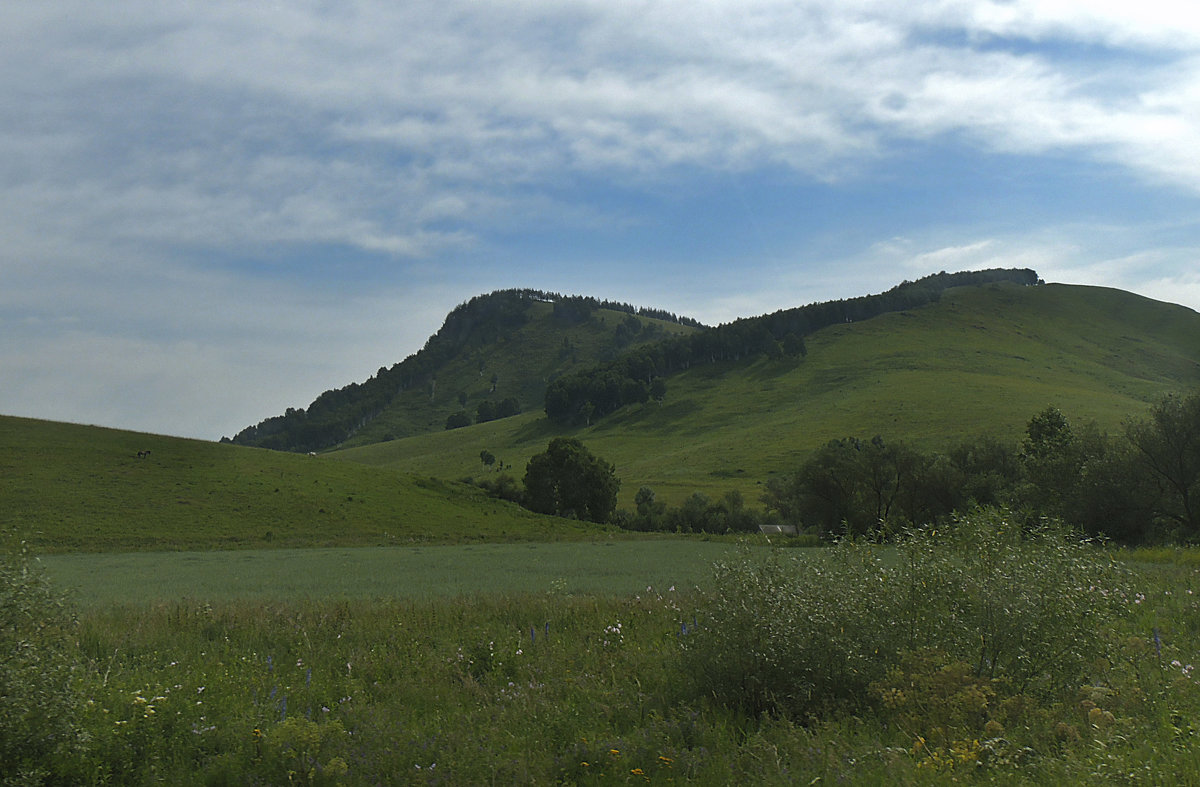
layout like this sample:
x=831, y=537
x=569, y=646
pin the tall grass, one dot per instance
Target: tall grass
x=554, y=688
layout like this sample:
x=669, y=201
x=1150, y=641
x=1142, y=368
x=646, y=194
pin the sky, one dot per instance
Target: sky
x=213, y=211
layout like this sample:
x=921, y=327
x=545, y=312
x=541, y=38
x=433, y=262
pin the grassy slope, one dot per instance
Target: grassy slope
x=523, y=362
x=983, y=360
x=66, y=487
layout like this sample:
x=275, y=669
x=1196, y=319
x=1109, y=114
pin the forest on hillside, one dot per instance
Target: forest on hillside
x=337, y=414
x=637, y=376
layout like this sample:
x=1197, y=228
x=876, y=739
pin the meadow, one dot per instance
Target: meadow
x=612, y=567
x=559, y=685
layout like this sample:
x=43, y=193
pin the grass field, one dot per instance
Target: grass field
x=562, y=687
x=611, y=568
x=68, y=488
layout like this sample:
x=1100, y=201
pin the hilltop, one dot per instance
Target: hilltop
x=492, y=358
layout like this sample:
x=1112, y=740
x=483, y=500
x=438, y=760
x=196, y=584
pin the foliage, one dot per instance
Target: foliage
x=406, y=398
x=697, y=514
x=554, y=687
x=806, y=638
x=854, y=487
x=569, y=480
x=458, y=420
x=1168, y=445
x=1120, y=489
x=39, y=670
x=596, y=392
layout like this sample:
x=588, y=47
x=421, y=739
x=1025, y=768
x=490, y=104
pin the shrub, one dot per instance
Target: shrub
x=797, y=635
x=1025, y=605
x=38, y=663
x=804, y=636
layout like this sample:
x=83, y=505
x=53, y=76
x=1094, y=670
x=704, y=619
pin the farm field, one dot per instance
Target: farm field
x=610, y=568
x=559, y=687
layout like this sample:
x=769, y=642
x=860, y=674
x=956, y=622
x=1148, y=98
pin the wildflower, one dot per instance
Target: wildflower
x=637, y=772
x=614, y=752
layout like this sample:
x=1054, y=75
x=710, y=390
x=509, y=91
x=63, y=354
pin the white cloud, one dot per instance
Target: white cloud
x=221, y=123
x=144, y=153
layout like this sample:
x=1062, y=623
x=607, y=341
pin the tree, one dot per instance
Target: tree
x=1051, y=457
x=458, y=420
x=1168, y=444
x=487, y=457
x=569, y=480
x=650, y=512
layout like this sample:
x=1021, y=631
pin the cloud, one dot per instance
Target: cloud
x=375, y=126
x=225, y=183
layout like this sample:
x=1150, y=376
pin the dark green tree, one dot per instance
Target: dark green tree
x=569, y=480
x=1168, y=444
x=1051, y=460
x=650, y=512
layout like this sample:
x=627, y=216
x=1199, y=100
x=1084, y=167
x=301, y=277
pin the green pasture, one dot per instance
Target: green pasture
x=68, y=488
x=615, y=568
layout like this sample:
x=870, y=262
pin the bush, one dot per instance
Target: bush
x=568, y=480
x=805, y=636
x=39, y=660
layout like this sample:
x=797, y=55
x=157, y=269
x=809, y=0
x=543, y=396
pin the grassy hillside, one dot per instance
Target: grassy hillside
x=66, y=487
x=982, y=360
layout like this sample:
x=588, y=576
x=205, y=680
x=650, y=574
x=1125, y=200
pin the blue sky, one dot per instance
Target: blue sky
x=215, y=211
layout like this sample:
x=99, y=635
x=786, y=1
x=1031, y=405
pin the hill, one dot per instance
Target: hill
x=81, y=488
x=980, y=359
x=492, y=358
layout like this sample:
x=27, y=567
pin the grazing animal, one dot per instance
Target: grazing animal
x=143, y=454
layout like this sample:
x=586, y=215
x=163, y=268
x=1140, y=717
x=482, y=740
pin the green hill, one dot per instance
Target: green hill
x=66, y=487
x=979, y=360
x=493, y=356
